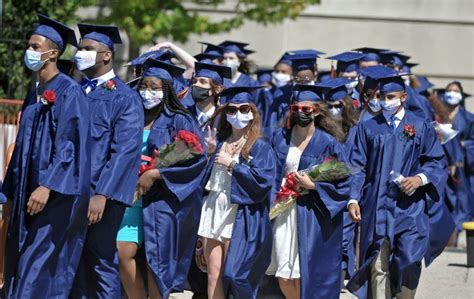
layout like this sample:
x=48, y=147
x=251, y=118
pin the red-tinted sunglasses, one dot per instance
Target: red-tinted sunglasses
x=231, y=110
x=300, y=108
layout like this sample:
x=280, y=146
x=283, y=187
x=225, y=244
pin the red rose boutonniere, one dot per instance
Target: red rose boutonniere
x=409, y=131
x=110, y=85
x=49, y=97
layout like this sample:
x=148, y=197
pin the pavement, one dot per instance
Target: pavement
x=448, y=277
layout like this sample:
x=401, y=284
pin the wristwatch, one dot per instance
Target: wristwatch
x=231, y=166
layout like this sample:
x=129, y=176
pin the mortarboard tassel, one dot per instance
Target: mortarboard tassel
x=333, y=71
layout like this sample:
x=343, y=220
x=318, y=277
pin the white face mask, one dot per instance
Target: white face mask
x=374, y=105
x=281, y=79
x=233, y=64
x=336, y=113
x=239, y=120
x=85, y=59
x=151, y=99
x=33, y=60
x=350, y=86
x=391, y=106
x=453, y=97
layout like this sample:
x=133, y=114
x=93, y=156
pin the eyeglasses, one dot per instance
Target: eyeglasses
x=300, y=108
x=337, y=106
x=231, y=110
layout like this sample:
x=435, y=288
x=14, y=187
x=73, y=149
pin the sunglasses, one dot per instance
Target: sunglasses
x=231, y=110
x=299, y=108
x=337, y=106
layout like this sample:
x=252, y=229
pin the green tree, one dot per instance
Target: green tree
x=147, y=20
x=18, y=20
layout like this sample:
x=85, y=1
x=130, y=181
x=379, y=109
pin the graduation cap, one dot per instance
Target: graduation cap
x=142, y=58
x=285, y=59
x=213, y=50
x=305, y=52
x=347, y=61
x=392, y=83
x=239, y=94
x=373, y=74
x=407, y=67
x=264, y=75
x=108, y=35
x=335, y=89
x=161, y=70
x=237, y=47
x=212, y=71
x=302, y=62
x=425, y=84
x=394, y=58
x=204, y=58
x=57, y=32
x=312, y=93
x=371, y=54
x=324, y=76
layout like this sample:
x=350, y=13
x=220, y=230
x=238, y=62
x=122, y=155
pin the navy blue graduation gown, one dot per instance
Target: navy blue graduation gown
x=116, y=139
x=250, y=248
x=263, y=103
x=172, y=207
x=244, y=80
x=418, y=104
x=319, y=215
x=42, y=251
x=348, y=234
x=278, y=110
x=460, y=152
x=116, y=130
x=386, y=211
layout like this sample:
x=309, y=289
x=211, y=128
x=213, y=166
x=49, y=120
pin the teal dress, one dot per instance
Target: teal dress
x=131, y=228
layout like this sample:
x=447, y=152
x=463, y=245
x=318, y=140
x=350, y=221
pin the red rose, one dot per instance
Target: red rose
x=50, y=96
x=110, y=85
x=409, y=131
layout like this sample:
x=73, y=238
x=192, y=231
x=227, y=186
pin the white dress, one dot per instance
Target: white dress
x=285, y=257
x=218, y=213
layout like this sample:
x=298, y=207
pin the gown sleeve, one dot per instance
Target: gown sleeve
x=182, y=181
x=65, y=171
x=433, y=163
x=358, y=161
x=334, y=195
x=119, y=176
x=252, y=181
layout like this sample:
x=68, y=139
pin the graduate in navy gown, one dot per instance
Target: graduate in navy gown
x=47, y=181
x=235, y=225
x=207, y=85
x=394, y=224
x=348, y=67
x=306, y=255
x=172, y=195
x=282, y=78
x=235, y=57
x=116, y=132
x=304, y=72
x=459, y=152
x=342, y=110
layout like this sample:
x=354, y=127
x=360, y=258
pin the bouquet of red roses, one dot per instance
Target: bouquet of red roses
x=329, y=170
x=185, y=147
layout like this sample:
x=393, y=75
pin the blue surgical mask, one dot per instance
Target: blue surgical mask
x=33, y=60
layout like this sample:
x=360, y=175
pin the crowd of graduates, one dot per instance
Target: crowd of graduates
x=91, y=216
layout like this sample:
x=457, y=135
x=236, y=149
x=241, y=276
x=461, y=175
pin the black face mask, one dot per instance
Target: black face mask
x=302, y=119
x=200, y=94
